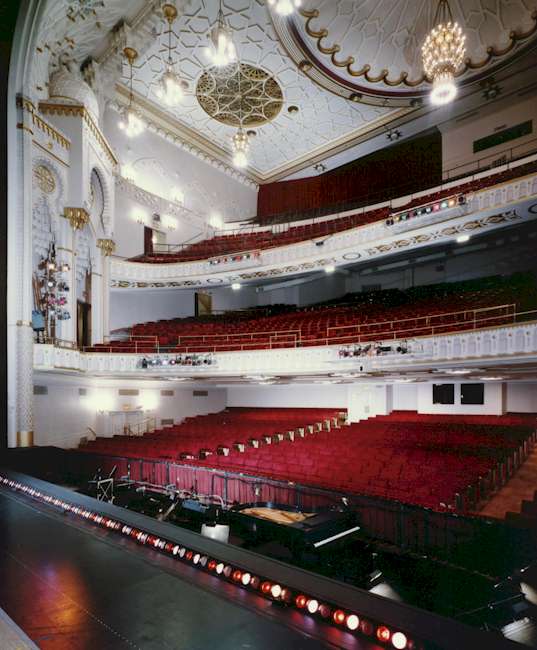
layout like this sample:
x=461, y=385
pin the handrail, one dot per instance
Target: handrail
x=147, y=425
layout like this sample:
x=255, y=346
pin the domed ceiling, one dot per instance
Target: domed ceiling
x=332, y=75
x=373, y=47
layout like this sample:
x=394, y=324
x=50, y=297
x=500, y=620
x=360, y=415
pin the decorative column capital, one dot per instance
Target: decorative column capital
x=107, y=246
x=78, y=217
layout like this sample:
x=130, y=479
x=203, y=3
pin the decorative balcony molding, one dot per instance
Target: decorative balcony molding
x=485, y=211
x=500, y=345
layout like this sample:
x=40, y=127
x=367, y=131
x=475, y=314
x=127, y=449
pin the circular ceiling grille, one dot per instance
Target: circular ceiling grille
x=239, y=95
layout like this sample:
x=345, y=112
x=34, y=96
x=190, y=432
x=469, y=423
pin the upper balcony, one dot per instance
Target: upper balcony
x=480, y=202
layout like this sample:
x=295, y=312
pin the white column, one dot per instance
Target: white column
x=20, y=296
x=66, y=329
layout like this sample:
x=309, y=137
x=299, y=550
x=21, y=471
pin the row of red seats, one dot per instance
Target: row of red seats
x=419, y=459
x=326, y=325
x=237, y=243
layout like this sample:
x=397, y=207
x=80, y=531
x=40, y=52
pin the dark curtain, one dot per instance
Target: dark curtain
x=388, y=173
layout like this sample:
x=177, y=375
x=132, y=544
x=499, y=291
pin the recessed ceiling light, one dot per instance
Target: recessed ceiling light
x=236, y=286
x=491, y=378
x=461, y=239
x=456, y=371
x=404, y=380
x=329, y=268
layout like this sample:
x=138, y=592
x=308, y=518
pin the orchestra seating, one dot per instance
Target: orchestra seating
x=360, y=317
x=260, y=240
x=196, y=436
x=442, y=462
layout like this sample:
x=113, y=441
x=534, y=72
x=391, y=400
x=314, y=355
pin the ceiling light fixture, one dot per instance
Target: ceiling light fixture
x=491, y=378
x=240, y=145
x=285, y=7
x=457, y=371
x=170, y=88
x=443, y=53
x=223, y=50
x=461, y=239
x=132, y=122
x=329, y=268
x=236, y=286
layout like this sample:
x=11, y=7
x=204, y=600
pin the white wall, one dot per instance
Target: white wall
x=159, y=165
x=458, y=137
x=130, y=307
x=494, y=402
x=522, y=398
x=307, y=396
x=62, y=416
x=405, y=397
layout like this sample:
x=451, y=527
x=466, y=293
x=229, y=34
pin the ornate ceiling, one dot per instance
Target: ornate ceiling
x=339, y=71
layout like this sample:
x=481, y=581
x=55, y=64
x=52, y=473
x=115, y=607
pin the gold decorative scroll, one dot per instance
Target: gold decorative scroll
x=107, y=246
x=78, y=217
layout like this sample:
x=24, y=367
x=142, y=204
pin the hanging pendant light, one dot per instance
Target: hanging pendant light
x=222, y=50
x=170, y=87
x=132, y=122
x=443, y=53
x=285, y=7
x=240, y=145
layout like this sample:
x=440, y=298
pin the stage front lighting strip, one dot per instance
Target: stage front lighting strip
x=264, y=586
x=426, y=209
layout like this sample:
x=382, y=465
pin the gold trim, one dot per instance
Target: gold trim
x=78, y=217
x=40, y=123
x=515, y=37
x=49, y=153
x=78, y=110
x=25, y=438
x=23, y=127
x=107, y=246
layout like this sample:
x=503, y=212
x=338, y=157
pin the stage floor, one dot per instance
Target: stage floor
x=71, y=586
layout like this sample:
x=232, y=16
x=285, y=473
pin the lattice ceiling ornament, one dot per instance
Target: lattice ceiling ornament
x=443, y=54
x=239, y=95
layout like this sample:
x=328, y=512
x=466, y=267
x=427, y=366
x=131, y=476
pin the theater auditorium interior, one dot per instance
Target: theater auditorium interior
x=269, y=296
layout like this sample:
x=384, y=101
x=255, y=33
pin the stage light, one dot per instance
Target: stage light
x=212, y=565
x=219, y=568
x=228, y=570
x=255, y=582
x=301, y=601
x=329, y=268
x=175, y=550
x=236, y=286
x=461, y=239
x=276, y=591
x=196, y=558
x=325, y=611
x=189, y=555
x=182, y=551
x=366, y=627
x=287, y=595
x=383, y=633
x=399, y=641
x=203, y=560
x=352, y=622
x=339, y=617
x=312, y=606
x=236, y=575
x=245, y=579
x=266, y=587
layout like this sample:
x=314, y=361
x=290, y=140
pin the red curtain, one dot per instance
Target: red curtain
x=394, y=171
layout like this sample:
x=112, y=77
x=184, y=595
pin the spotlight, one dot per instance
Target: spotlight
x=352, y=622
x=383, y=633
x=237, y=575
x=325, y=611
x=236, y=286
x=329, y=268
x=301, y=601
x=245, y=579
x=227, y=571
x=266, y=587
x=312, y=606
x=276, y=591
x=461, y=239
x=399, y=641
x=339, y=617
x=219, y=568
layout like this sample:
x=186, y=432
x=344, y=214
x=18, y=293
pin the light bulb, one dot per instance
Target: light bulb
x=170, y=88
x=285, y=7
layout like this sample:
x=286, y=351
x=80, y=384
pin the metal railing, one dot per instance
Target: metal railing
x=397, y=329
x=147, y=425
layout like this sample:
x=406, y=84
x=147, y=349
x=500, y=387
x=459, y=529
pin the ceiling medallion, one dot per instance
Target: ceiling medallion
x=259, y=100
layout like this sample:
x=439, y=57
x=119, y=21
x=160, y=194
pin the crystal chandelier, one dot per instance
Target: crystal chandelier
x=170, y=88
x=443, y=53
x=132, y=122
x=223, y=51
x=240, y=145
x=285, y=7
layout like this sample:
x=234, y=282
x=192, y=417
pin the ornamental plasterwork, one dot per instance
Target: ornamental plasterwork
x=377, y=45
x=44, y=179
x=239, y=95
